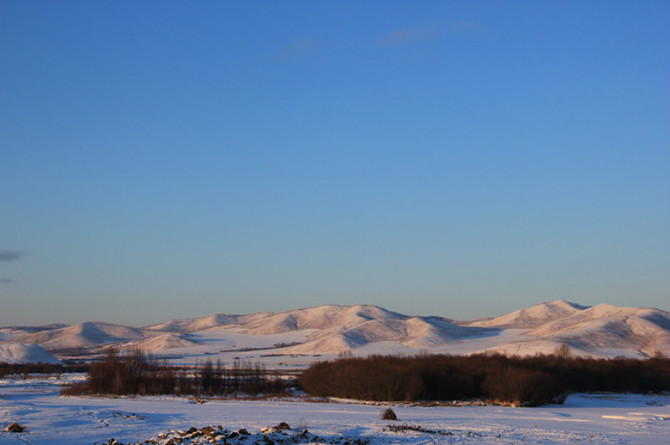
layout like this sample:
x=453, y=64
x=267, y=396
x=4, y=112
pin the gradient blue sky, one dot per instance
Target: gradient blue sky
x=464, y=159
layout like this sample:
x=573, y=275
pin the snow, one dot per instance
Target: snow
x=162, y=342
x=301, y=336
x=82, y=335
x=604, y=327
x=195, y=324
x=532, y=317
x=22, y=353
x=584, y=418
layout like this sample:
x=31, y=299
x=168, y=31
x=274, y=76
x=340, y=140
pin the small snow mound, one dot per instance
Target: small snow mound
x=22, y=353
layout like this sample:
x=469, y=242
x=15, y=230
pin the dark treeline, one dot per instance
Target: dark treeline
x=38, y=368
x=530, y=381
x=138, y=373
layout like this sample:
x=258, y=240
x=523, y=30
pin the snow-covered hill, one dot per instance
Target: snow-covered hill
x=267, y=323
x=331, y=330
x=604, y=326
x=22, y=353
x=82, y=335
x=162, y=342
x=195, y=324
x=533, y=316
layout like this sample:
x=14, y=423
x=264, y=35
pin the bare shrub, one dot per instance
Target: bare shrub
x=388, y=414
x=402, y=428
x=563, y=352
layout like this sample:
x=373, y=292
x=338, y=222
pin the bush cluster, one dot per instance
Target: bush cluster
x=388, y=414
x=530, y=381
x=138, y=373
x=133, y=373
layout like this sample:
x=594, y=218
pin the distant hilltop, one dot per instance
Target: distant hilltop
x=304, y=335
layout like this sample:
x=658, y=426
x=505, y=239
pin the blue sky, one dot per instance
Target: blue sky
x=465, y=159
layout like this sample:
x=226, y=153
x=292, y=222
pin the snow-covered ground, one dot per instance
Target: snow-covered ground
x=584, y=418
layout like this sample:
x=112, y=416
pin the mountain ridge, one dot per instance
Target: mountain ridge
x=330, y=330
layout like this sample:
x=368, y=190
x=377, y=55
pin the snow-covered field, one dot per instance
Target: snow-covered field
x=584, y=418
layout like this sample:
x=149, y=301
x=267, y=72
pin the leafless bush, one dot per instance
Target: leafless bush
x=563, y=352
x=388, y=414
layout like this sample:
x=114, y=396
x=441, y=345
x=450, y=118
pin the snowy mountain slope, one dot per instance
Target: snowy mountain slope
x=82, y=335
x=603, y=331
x=427, y=332
x=605, y=326
x=22, y=353
x=657, y=317
x=185, y=325
x=532, y=317
x=162, y=342
x=329, y=330
x=10, y=332
x=267, y=323
x=321, y=317
x=343, y=328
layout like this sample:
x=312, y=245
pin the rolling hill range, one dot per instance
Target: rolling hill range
x=300, y=336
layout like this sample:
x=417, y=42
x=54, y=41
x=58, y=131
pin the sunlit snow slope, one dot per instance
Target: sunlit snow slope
x=21, y=353
x=330, y=330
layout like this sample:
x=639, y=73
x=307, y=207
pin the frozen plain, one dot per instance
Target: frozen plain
x=584, y=418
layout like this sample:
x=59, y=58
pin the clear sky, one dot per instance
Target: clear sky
x=163, y=159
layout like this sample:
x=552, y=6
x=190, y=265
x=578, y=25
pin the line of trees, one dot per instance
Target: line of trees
x=141, y=374
x=528, y=381
x=38, y=368
x=242, y=377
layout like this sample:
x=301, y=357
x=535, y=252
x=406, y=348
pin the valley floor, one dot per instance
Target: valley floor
x=584, y=418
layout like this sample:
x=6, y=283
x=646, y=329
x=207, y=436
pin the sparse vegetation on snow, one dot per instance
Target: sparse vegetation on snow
x=141, y=374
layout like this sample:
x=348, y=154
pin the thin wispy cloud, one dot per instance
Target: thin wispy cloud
x=6, y=280
x=10, y=255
